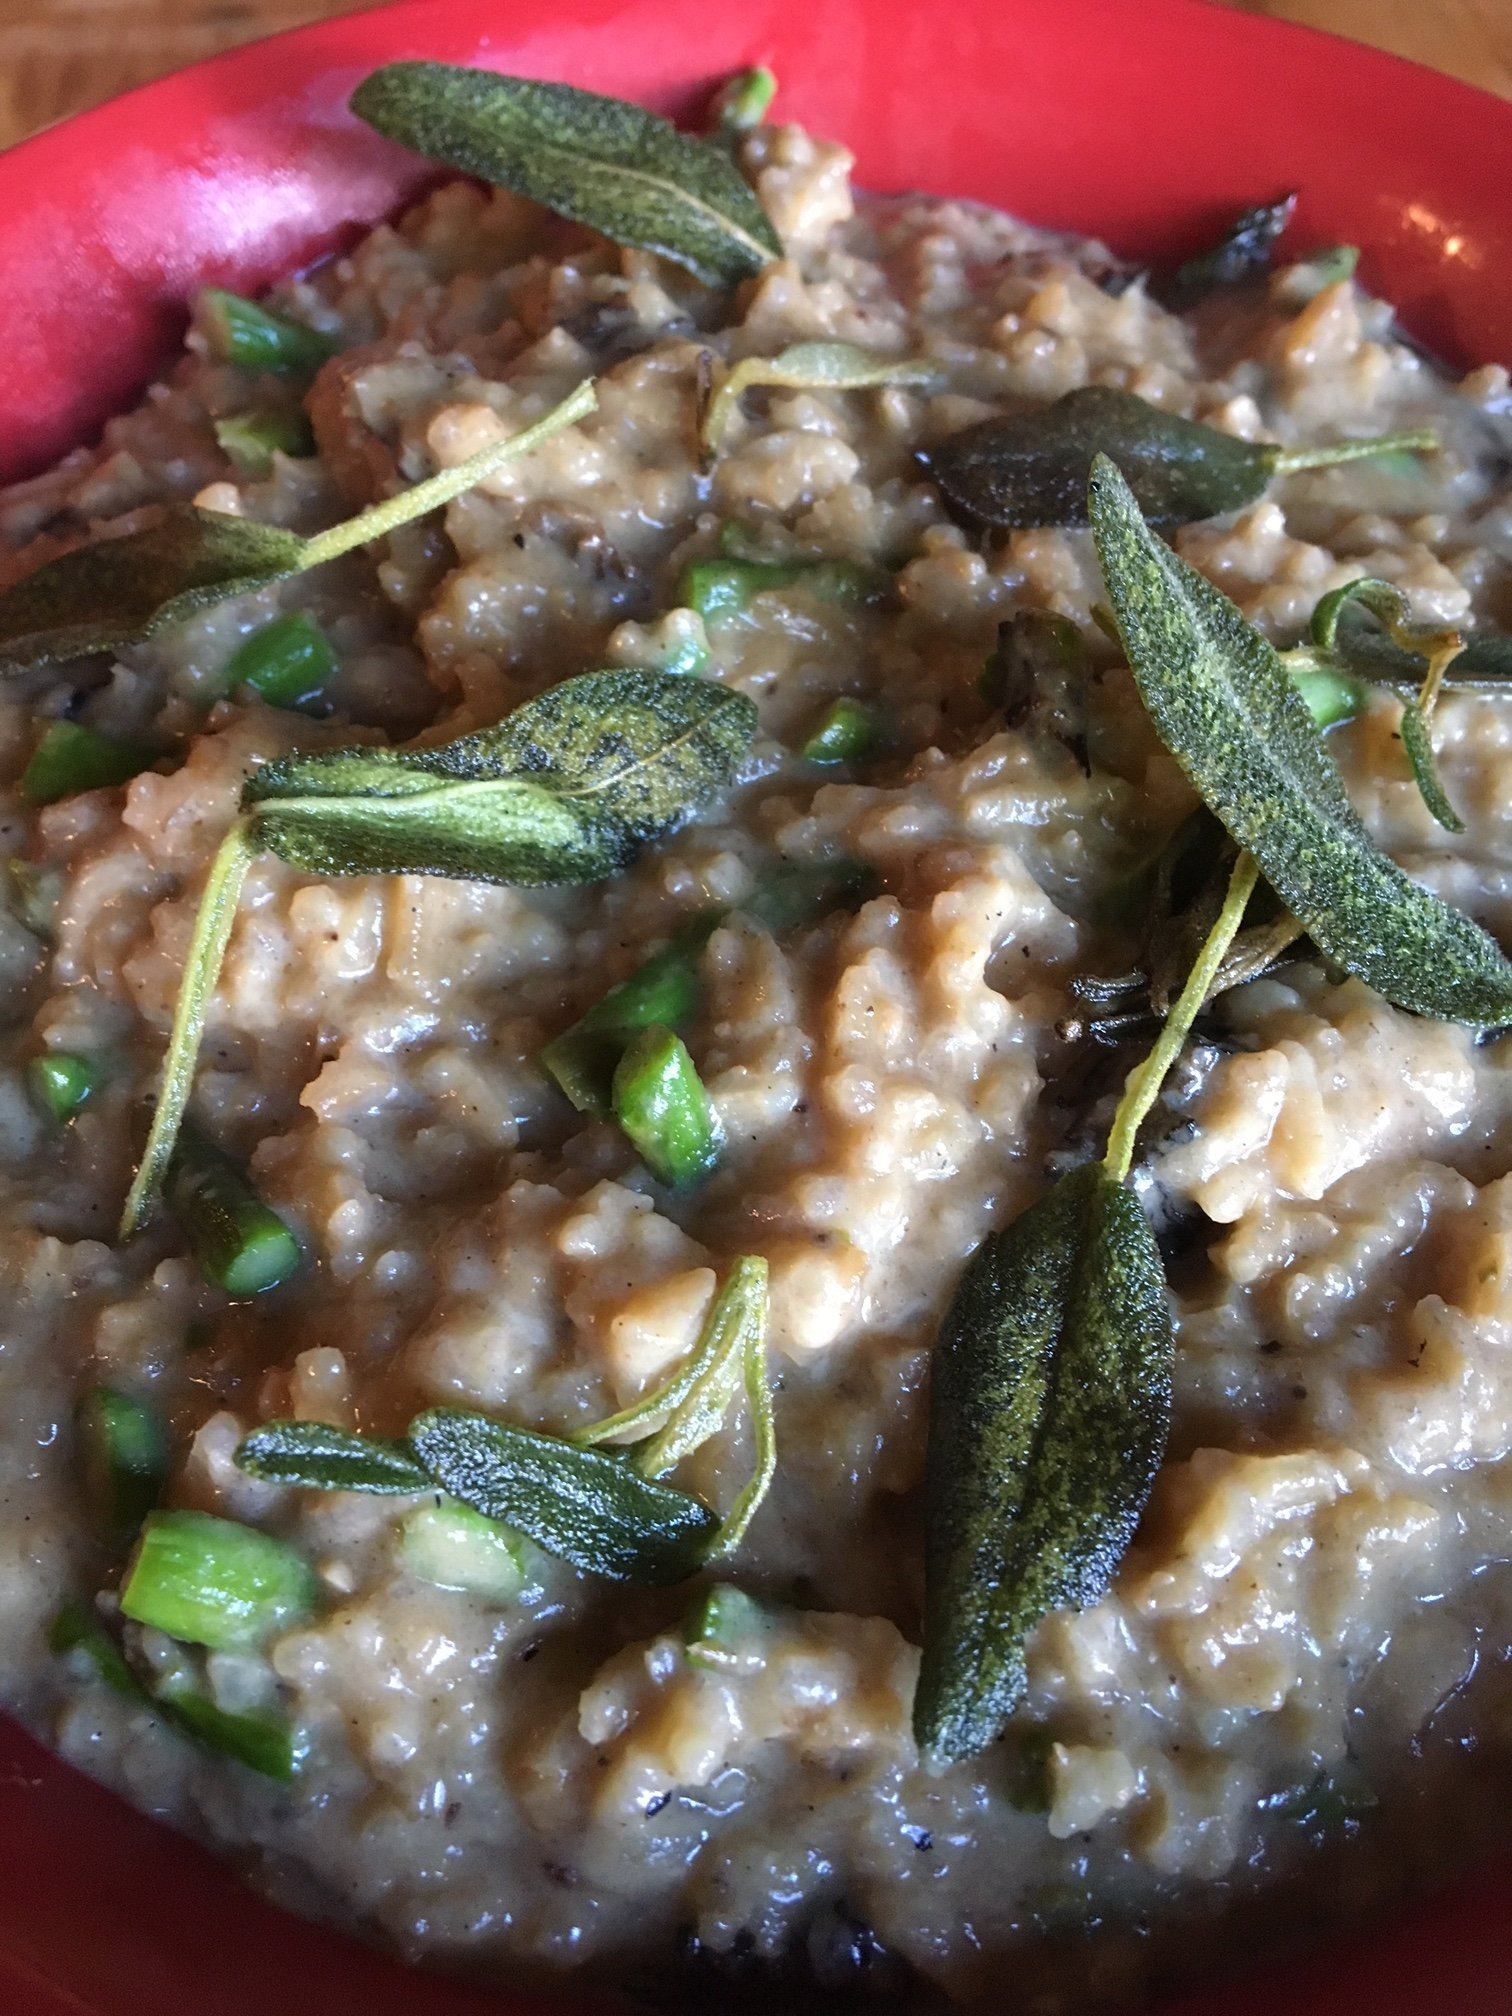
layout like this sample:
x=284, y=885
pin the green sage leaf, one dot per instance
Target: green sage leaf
x=318, y=1457
x=601, y=162
x=180, y=559
x=1223, y=703
x=125, y=586
x=589, y=1509
x=811, y=367
x=1417, y=741
x=1484, y=664
x=1031, y=469
x=1436, y=648
x=1050, y=1398
x=680, y=1415
x=1242, y=252
x=563, y=790
x=736, y=1522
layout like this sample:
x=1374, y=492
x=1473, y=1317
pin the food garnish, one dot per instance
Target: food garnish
x=1029, y=469
x=604, y=1513
x=597, y=160
x=1241, y=252
x=810, y=367
x=183, y=559
x=563, y=790
x=1222, y=701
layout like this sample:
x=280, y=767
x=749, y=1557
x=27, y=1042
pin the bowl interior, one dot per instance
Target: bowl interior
x=1141, y=121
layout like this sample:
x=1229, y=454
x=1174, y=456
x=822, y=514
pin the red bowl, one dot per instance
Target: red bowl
x=1142, y=121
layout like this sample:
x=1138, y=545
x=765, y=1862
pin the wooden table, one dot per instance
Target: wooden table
x=57, y=56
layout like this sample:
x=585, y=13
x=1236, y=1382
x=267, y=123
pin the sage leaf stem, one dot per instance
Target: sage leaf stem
x=816, y=367
x=1292, y=461
x=429, y=495
x=1143, y=1088
x=207, y=950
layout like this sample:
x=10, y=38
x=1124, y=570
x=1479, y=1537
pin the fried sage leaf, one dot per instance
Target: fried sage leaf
x=182, y=559
x=588, y=1508
x=680, y=1415
x=811, y=367
x=1484, y=663
x=1438, y=649
x=101, y=596
x=1223, y=703
x=323, y=1458
x=1243, y=252
x=1049, y=1403
x=564, y=790
x=601, y=162
x=1029, y=469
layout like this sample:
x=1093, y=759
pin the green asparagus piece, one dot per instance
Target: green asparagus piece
x=260, y=1739
x=743, y=102
x=257, y=339
x=71, y=758
x=723, y=1626
x=210, y=1581
x=845, y=732
x=455, y=1547
x=661, y=1104
x=77, y=1634
x=720, y=589
x=287, y=663
x=252, y=439
x=60, y=1081
x=125, y=1457
x=668, y=988
x=240, y=1244
x=1331, y=696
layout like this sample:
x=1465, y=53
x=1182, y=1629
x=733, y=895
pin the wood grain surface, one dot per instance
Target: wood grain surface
x=57, y=56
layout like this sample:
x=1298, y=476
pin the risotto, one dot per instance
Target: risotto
x=900, y=950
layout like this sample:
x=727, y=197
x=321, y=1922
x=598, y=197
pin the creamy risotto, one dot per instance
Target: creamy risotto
x=444, y=1726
